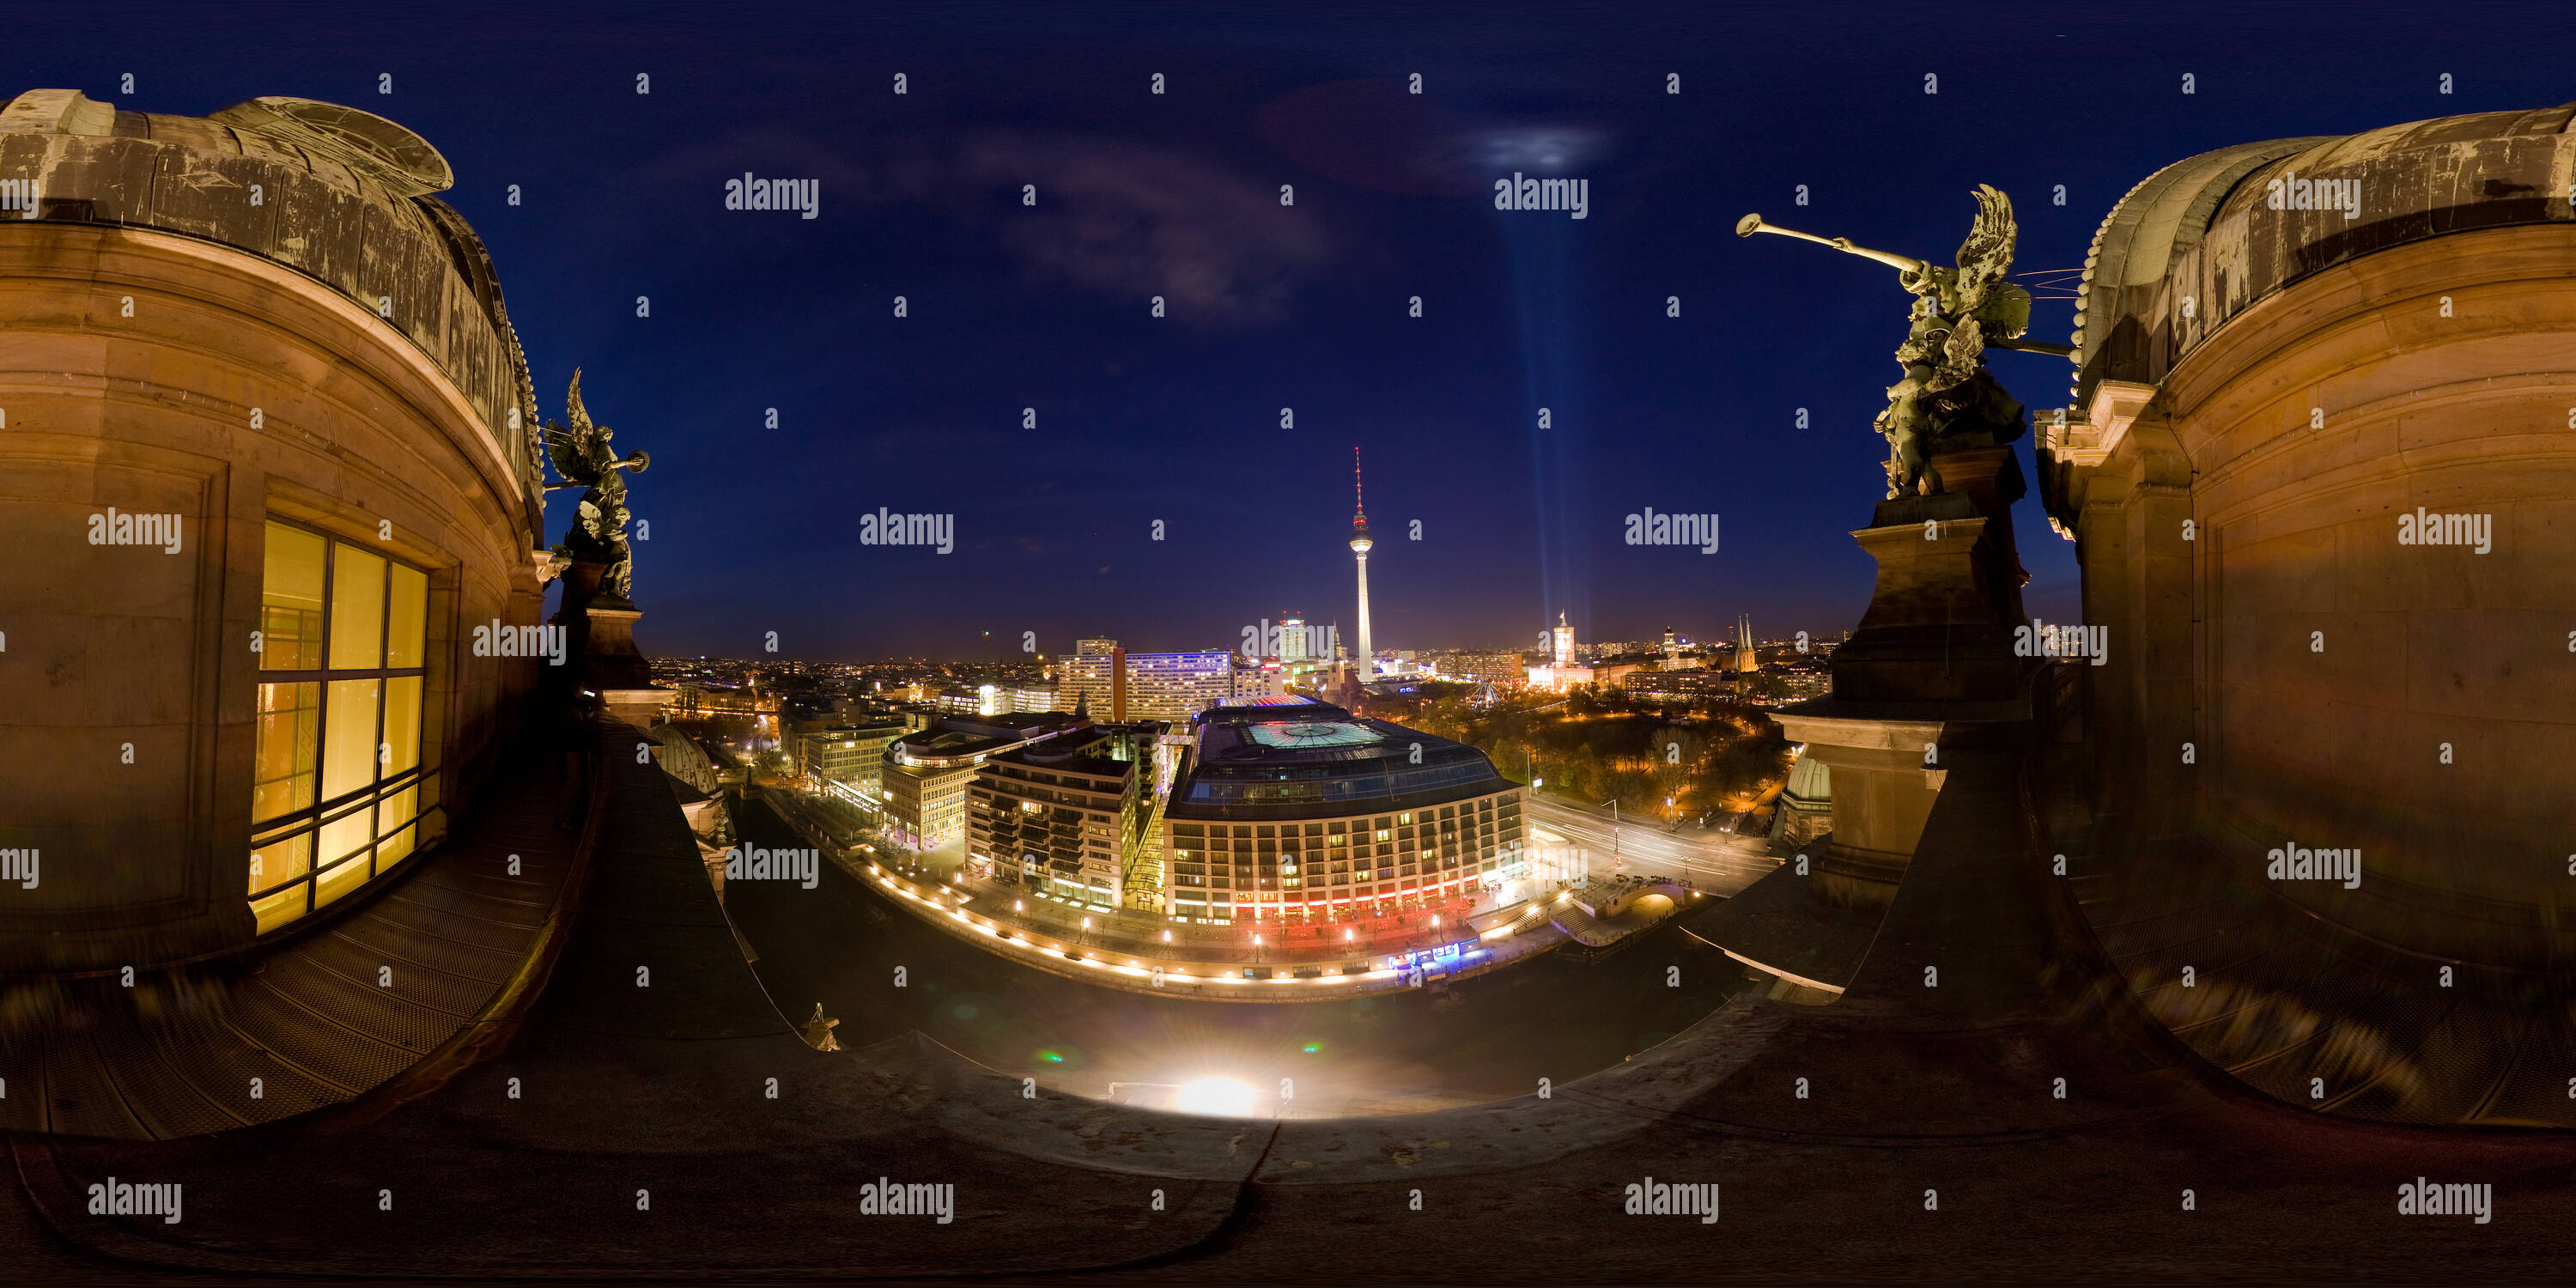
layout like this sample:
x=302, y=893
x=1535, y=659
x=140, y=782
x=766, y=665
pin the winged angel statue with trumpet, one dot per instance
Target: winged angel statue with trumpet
x=1948, y=399
x=581, y=454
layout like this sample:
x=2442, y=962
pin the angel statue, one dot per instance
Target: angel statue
x=1948, y=399
x=581, y=454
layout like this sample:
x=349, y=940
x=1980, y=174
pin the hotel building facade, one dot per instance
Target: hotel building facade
x=1308, y=811
x=1112, y=684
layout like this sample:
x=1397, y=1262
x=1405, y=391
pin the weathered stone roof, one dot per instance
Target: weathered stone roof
x=335, y=193
x=2199, y=242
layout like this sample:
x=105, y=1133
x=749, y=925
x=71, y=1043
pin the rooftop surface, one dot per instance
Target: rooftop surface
x=1320, y=760
x=1929, y=1123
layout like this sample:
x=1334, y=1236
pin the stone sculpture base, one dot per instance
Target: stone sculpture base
x=1928, y=689
x=600, y=630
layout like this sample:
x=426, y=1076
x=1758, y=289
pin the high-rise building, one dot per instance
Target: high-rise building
x=1292, y=640
x=1176, y=686
x=1360, y=546
x=1086, y=675
x=1487, y=668
x=1063, y=816
x=1121, y=686
x=1564, y=650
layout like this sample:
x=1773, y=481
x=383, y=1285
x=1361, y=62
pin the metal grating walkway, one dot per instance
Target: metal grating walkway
x=314, y=1021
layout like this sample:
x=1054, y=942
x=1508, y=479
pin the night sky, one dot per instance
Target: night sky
x=1139, y=419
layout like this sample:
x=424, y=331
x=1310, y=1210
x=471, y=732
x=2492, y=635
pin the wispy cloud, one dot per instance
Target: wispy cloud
x=1124, y=220
x=1128, y=220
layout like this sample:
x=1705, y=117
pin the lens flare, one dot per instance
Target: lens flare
x=1217, y=1097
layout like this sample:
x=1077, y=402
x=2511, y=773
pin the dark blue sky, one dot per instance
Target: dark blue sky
x=1177, y=419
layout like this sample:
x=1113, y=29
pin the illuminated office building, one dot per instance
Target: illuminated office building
x=1304, y=810
x=1064, y=817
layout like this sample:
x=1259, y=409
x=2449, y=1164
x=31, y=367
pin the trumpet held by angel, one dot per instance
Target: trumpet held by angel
x=1947, y=398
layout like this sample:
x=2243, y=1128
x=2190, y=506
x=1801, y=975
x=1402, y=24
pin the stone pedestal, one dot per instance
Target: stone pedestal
x=600, y=632
x=1940, y=623
x=1928, y=682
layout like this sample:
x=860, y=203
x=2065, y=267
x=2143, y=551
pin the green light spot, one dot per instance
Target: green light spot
x=1313, y=1047
x=1050, y=1057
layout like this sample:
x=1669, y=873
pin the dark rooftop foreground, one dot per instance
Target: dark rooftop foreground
x=645, y=1145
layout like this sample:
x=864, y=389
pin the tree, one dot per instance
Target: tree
x=1679, y=756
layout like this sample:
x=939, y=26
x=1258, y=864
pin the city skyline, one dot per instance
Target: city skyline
x=1305, y=307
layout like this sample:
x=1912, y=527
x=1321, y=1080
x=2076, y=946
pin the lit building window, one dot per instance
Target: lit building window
x=340, y=780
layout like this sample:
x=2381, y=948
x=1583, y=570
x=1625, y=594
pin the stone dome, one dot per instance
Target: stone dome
x=2198, y=242
x=338, y=194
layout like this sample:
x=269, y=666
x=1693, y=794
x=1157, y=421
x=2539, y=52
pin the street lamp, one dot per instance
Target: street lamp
x=1613, y=803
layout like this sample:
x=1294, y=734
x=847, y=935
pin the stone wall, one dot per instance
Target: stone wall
x=150, y=408
x=2319, y=666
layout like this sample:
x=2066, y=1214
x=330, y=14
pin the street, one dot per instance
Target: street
x=842, y=943
x=1718, y=862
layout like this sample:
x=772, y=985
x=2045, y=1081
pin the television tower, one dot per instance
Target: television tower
x=1360, y=545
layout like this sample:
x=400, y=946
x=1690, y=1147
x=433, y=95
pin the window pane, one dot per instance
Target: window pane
x=402, y=724
x=289, y=724
x=348, y=835
x=349, y=751
x=272, y=865
x=280, y=908
x=335, y=882
x=391, y=850
x=394, y=818
x=290, y=601
x=407, y=611
x=357, y=608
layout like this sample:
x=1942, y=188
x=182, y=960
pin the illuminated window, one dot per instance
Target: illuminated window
x=340, y=779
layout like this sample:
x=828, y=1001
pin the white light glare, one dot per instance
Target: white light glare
x=1216, y=1097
